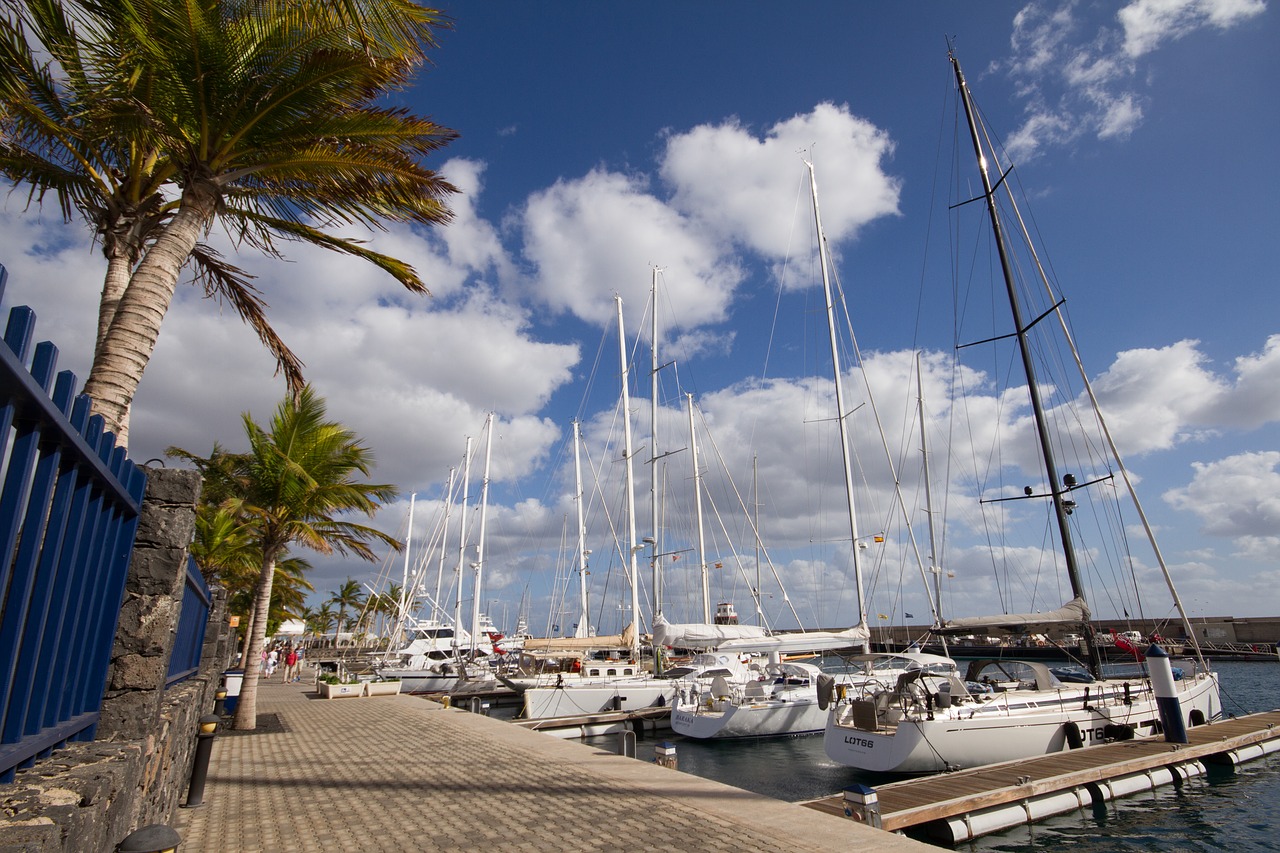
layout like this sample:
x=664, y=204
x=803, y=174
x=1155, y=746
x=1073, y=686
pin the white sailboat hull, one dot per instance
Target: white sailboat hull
x=798, y=715
x=541, y=702
x=1014, y=725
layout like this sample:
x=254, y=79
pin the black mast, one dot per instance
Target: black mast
x=1060, y=501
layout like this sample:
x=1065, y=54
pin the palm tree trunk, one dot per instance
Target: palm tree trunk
x=119, y=269
x=131, y=337
x=246, y=718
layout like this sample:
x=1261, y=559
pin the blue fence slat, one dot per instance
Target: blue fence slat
x=44, y=618
x=189, y=639
x=69, y=505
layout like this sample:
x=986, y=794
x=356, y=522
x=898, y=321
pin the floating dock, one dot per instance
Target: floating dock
x=956, y=807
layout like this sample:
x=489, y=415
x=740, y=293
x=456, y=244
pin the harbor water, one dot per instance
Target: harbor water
x=1238, y=811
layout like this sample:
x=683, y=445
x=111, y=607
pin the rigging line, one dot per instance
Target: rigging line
x=1115, y=452
x=888, y=454
x=783, y=274
x=741, y=503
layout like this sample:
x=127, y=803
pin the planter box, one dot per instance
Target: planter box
x=336, y=691
x=367, y=688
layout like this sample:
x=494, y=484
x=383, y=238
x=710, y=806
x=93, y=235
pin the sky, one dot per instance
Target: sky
x=601, y=142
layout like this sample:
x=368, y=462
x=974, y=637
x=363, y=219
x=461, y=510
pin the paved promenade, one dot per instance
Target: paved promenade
x=399, y=773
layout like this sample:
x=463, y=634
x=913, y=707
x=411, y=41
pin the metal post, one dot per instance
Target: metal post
x=200, y=769
x=627, y=743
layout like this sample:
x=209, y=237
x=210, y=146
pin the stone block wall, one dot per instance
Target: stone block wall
x=89, y=796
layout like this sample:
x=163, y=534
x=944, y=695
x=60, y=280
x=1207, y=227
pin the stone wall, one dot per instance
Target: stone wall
x=89, y=796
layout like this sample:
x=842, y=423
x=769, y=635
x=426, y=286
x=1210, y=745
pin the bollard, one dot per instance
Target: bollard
x=664, y=755
x=220, y=702
x=1175, y=731
x=627, y=743
x=200, y=769
x=862, y=803
x=446, y=700
x=156, y=838
x=484, y=708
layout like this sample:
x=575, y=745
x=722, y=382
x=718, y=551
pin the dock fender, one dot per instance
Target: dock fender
x=826, y=689
x=1074, y=739
x=1196, y=717
x=1117, y=731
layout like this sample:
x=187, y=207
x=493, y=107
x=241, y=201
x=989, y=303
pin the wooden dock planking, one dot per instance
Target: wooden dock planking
x=918, y=801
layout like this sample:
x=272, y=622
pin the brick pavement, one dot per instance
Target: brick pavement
x=396, y=773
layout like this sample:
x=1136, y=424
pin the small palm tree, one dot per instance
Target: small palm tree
x=300, y=476
x=347, y=596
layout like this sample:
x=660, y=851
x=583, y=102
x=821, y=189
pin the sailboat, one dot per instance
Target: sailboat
x=441, y=653
x=1009, y=709
x=791, y=697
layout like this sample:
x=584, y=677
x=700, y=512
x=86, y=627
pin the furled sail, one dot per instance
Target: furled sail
x=582, y=644
x=701, y=635
x=1074, y=611
x=806, y=641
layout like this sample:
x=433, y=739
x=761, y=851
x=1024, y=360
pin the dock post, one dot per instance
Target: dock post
x=664, y=755
x=862, y=803
x=1175, y=730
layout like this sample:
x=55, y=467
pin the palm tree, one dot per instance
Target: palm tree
x=300, y=476
x=322, y=620
x=157, y=118
x=345, y=596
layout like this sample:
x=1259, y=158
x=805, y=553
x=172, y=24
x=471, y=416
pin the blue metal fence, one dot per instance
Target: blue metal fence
x=185, y=659
x=69, y=506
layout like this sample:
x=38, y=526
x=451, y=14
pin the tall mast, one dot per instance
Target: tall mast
x=448, y=504
x=1024, y=348
x=653, y=445
x=403, y=604
x=697, y=508
x=632, y=545
x=755, y=511
x=839, y=388
x=584, y=620
x=462, y=545
x=478, y=565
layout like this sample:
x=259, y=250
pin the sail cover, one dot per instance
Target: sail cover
x=806, y=641
x=701, y=635
x=582, y=644
x=1074, y=611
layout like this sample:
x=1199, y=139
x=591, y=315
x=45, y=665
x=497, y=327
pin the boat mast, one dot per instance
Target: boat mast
x=934, y=568
x=1057, y=493
x=402, y=604
x=437, y=611
x=478, y=565
x=632, y=545
x=755, y=511
x=462, y=546
x=697, y=509
x=584, y=621
x=653, y=446
x=839, y=389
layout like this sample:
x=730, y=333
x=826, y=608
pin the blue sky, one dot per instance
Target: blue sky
x=601, y=140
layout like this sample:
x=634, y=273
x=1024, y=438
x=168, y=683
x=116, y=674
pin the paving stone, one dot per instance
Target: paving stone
x=402, y=773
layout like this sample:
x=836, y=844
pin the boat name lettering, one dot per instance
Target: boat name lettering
x=1095, y=735
x=860, y=741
